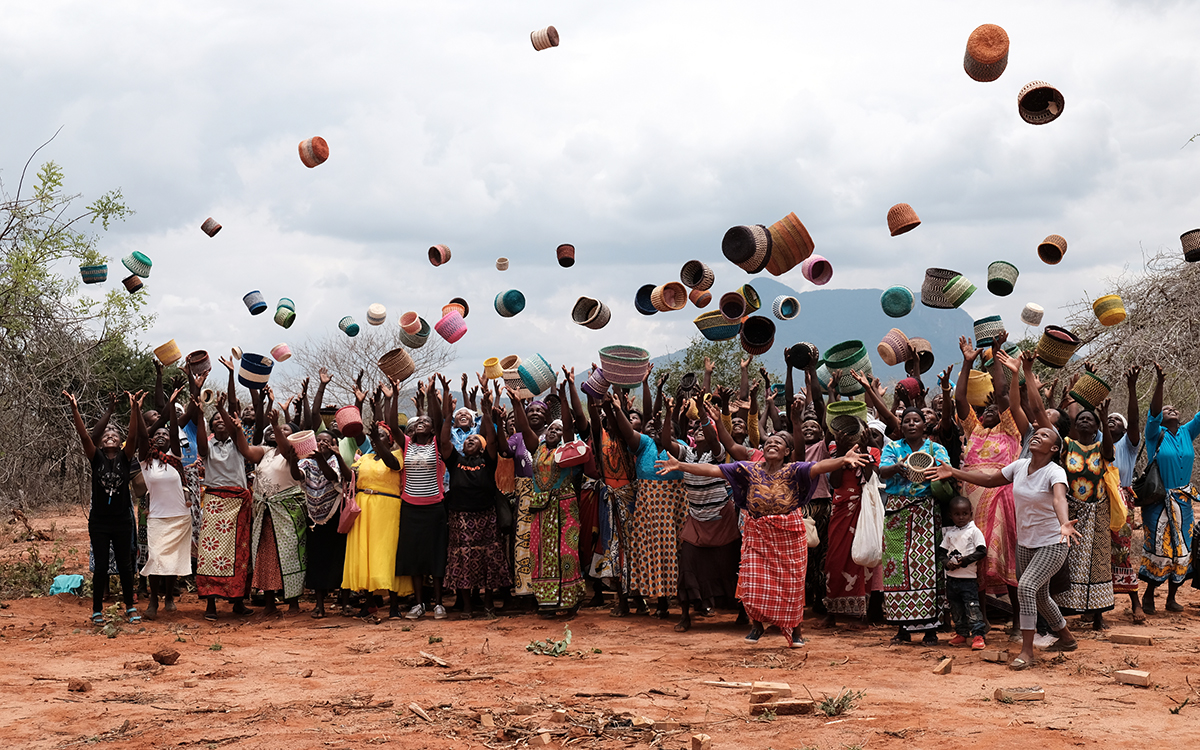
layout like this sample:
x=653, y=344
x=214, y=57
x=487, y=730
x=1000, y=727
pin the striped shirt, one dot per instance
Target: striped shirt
x=706, y=495
x=423, y=472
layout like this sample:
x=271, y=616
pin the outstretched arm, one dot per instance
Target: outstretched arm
x=85, y=438
x=99, y=427
x=981, y=477
x=1014, y=390
x=962, y=406
x=1134, y=418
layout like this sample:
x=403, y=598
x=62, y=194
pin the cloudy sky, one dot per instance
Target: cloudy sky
x=652, y=129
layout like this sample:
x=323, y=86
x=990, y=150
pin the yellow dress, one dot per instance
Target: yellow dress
x=371, y=543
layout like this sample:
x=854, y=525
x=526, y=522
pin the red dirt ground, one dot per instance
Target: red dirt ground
x=296, y=682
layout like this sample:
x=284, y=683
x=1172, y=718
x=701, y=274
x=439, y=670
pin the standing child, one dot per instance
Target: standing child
x=963, y=546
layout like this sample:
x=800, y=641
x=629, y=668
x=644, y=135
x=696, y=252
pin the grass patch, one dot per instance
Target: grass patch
x=843, y=702
x=551, y=647
x=30, y=574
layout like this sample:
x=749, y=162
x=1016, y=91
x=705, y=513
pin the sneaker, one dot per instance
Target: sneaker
x=417, y=612
x=958, y=640
x=1044, y=641
x=754, y=635
x=439, y=612
x=978, y=644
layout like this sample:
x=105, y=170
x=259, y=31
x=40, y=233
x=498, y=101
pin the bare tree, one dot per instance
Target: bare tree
x=345, y=356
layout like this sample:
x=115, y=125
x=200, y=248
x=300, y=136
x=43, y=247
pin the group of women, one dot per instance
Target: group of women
x=696, y=496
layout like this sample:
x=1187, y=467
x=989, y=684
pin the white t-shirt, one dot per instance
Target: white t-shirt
x=960, y=541
x=165, y=487
x=1033, y=498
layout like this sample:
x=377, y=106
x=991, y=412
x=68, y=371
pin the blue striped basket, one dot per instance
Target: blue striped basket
x=94, y=274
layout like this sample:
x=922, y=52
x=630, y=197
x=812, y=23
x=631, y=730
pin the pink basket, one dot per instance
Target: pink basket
x=304, y=443
x=817, y=270
x=349, y=421
x=281, y=352
x=451, y=327
x=410, y=322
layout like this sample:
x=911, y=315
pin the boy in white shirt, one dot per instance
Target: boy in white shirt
x=963, y=546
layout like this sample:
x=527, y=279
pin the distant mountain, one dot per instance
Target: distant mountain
x=830, y=316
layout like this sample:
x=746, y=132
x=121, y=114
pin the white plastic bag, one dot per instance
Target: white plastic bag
x=867, y=548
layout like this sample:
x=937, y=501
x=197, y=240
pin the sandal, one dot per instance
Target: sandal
x=97, y=618
x=132, y=615
x=1018, y=664
x=1060, y=646
x=210, y=616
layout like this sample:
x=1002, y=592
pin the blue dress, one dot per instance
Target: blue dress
x=1167, y=526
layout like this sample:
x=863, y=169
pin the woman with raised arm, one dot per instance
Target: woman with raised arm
x=327, y=480
x=1126, y=435
x=1088, y=454
x=110, y=520
x=278, y=530
x=774, y=548
x=1167, y=550
x=424, y=535
x=476, y=560
x=169, y=525
x=1044, y=532
x=620, y=487
x=552, y=504
x=913, y=581
x=993, y=440
x=223, y=565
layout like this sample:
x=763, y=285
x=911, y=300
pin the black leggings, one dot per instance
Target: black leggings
x=121, y=538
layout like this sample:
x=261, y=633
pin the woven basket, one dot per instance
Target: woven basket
x=236, y=352
x=254, y=370
x=1056, y=346
x=199, y=364
x=748, y=247
x=590, y=313
x=669, y=296
x=210, y=227
x=894, y=348
x=511, y=362
x=451, y=327
x=397, y=365
x=501, y=264
x=1109, y=310
x=94, y=274
x=823, y=376
x=285, y=317
x=933, y=289
x=801, y=356
x=510, y=303
x=313, y=151
x=732, y=306
x=133, y=284
x=168, y=353
x=923, y=351
x=450, y=307
x=255, y=302
x=281, y=352
x=642, y=302
x=596, y=384
x=897, y=301
x=466, y=309
x=1052, y=249
x=286, y=302
x=1032, y=314
x=512, y=380
x=544, y=38
x=418, y=339
x=902, y=218
x=785, y=307
x=138, y=264
x=349, y=421
x=791, y=244
x=911, y=386
x=716, y=327
x=758, y=334
x=847, y=356
x=1002, y=277
x=565, y=255
x=979, y=387
x=753, y=301
x=409, y=322
x=1191, y=245
x=700, y=298
x=439, y=254
x=817, y=269
x=1039, y=103
x=624, y=365
x=987, y=329
x=696, y=275
x=348, y=326
x=492, y=369
x=1090, y=390
x=846, y=426
x=958, y=290
x=913, y=468
x=303, y=442
x=853, y=409
x=537, y=374
x=987, y=53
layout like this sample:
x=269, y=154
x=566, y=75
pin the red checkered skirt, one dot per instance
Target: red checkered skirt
x=774, y=563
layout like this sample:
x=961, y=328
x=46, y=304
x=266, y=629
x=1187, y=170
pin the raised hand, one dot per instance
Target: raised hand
x=464, y=381
x=708, y=365
x=1006, y=361
x=1089, y=367
x=569, y=374
x=944, y=377
x=227, y=362
x=221, y=400
x=1158, y=370
x=71, y=398
x=968, y=351
x=304, y=387
x=386, y=388
x=324, y=376
x=1131, y=375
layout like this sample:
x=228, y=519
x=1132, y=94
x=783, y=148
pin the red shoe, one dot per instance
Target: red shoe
x=978, y=643
x=958, y=640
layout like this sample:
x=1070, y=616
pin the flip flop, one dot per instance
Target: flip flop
x=210, y=616
x=1018, y=664
x=97, y=618
x=1060, y=646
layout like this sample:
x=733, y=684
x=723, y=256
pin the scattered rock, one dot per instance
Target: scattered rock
x=541, y=740
x=526, y=710
x=1137, y=677
x=641, y=722
x=778, y=689
x=1020, y=694
x=76, y=685
x=166, y=656
x=140, y=665
x=306, y=673
x=944, y=666
x=487, y=720
x=667, y=725
x=419, y=711
x=191, y=683
x=784, y=707
x=559, y=716
x=994, y=655
x=1130, y=639
x=701, y=742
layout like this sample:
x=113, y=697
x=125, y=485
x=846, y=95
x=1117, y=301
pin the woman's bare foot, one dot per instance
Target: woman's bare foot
x=684, y=624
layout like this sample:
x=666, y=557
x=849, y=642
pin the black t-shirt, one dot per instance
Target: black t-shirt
x=472, y=482
x=110, y=487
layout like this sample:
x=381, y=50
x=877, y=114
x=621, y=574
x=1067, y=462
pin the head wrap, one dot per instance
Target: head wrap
x=383, y=428
x=556, y=422
x=1120, y=416
x=878, y=426
x=462, y=409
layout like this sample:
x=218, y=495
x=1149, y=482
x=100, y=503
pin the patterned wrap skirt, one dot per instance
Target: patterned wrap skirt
x=658, y=516
x=773, y=569
x=476, y=560
x=1089, y=561
x=223, y=563
x=914, y=584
